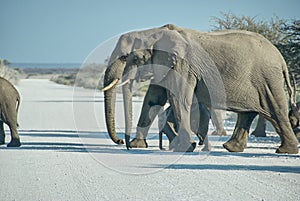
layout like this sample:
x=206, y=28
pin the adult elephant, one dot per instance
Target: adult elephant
x=9, y=106
x=238, y=71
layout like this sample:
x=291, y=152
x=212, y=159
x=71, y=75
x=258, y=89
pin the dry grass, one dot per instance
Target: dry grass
x=13, y=75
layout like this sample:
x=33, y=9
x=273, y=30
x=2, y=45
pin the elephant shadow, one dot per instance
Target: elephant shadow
x=73, y=141
x=231, y=167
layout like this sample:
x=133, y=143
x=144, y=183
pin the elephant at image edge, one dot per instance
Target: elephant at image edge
x=252, y=70
x=9, y=106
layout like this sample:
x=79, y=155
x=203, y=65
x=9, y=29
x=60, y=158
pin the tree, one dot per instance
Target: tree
x=283, y=34
x=290, y=49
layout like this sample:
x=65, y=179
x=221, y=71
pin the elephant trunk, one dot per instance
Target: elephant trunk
x=127, y=97
x=112, y=74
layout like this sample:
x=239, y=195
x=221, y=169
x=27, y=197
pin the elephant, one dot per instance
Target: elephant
x=200, y=116
x=9, y=106
x=232, y=70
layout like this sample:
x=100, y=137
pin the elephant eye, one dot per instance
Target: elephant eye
x=123, y=58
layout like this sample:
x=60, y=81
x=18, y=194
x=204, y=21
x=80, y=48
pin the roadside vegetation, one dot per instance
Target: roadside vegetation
x=13, y=75
x=283, y=33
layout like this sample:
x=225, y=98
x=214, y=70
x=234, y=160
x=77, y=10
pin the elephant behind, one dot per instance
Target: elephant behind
x=9, y=106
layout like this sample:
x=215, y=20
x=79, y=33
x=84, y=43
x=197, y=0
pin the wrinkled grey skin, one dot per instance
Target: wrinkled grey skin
x=9, y=105
x=200, y=116
x=251, y=75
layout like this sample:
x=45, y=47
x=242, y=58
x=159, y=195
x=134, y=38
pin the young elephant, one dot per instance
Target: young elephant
x=200, y=116
x=9, y=105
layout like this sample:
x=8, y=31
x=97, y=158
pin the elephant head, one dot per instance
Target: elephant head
x=132, y=50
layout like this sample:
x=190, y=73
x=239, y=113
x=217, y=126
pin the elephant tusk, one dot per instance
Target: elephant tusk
x=123, y=83
x=113, y=83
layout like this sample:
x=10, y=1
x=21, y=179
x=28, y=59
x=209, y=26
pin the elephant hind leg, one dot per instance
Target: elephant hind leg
x=279, y=119
x=239, y=138
x=260, y=129
x=2, y=133
x=11, y=121
x=15, y=139
x=289, y=142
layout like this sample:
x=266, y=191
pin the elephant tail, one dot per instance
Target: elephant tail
x=18, y=102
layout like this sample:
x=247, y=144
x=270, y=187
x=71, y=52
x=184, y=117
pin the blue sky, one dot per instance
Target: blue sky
x=68, y=30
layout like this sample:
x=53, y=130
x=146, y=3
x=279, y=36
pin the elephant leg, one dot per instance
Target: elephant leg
x=203, y=127
x=11, y=121
x=279, y=118
x=184, y=142
x=260, y=129
x=218, y=122
x=15, y=139
x=297, y=133
x=289, y=142
x=169, y=130
x=2, y=133
x=239, y=138
x=155, y=98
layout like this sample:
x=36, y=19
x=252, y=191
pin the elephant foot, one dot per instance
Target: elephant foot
x=238, y=141
x=206, y=147
x=218, y=133
x=138, y=143
x=287, y=149
x=234, y=146
x=185, y=148
x=15, y=142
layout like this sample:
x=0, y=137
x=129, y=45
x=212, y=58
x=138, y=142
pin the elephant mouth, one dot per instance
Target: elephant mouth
x=111, y=85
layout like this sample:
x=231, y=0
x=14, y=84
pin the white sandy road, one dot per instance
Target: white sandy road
x=66, y=155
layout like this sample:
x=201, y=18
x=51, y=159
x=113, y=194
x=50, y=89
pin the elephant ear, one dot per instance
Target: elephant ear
x=134, y=41
x=185, y=44
x=170, y=41
x=123, y=47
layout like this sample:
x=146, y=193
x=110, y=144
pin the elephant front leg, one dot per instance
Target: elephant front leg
x=155, y=98
x=203, y=127
x=184, y=142
x=2, y=133
x=239, y=138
